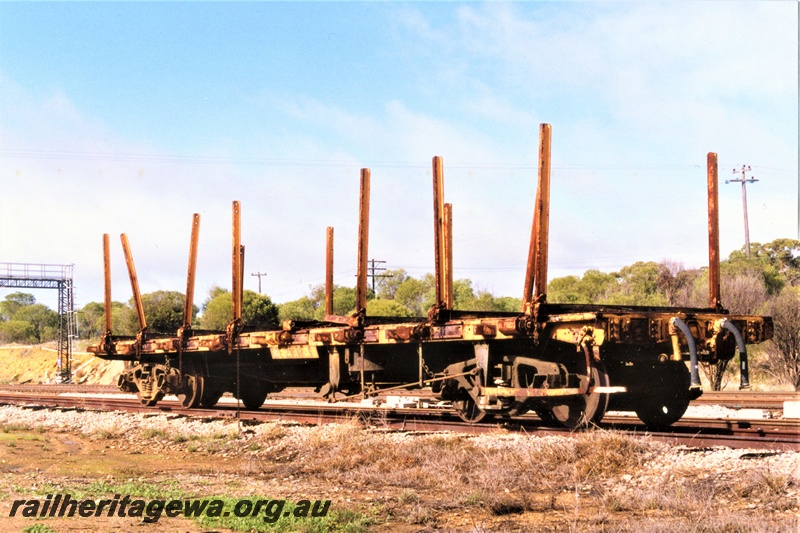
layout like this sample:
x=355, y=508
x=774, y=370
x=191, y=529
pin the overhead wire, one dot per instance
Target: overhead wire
x=268, y=161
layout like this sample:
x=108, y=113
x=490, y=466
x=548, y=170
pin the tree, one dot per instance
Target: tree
x=463, y=295
x=595, y=284
x=344, y=301
x=13, y=303
x=783, y=351
x=43, y=321
x=744, y=292
x=23, y=320
x=482, y=301
x=381, y=307
x=411, y=294
x=784, y=255
x=508, y=304
x=637, y=284
x=676, y=283
x=778, y=261
x=123, y=319
x=303, y=309
x=257, y=310
x=163, y=312
x=565, y=290
x=387, y=286
x=91, y=320
x=217, y=310
x=312, y=307
x=591, y=288
x=16, y=331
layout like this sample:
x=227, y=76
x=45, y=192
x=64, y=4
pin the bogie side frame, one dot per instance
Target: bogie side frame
x=567, y=362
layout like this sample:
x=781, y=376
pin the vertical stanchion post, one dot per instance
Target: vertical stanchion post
x=236, y=269
x=363, y=242
x=543, y=206
x=188, y=303
x=714, y=293
x=329, y=271
x=536, y=270
x=438, y=230
x=447, y=273
x=107, y=305
x=137, y=297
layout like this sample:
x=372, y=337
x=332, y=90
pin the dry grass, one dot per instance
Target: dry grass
x=583, y=483
x=595, y=481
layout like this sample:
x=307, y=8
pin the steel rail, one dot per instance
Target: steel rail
x=750, y=400
x=747, y=400
x=757, y=434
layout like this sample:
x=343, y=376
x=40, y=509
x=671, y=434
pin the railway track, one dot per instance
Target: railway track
x=731, y=399
x=747, y=399
x=769, y=434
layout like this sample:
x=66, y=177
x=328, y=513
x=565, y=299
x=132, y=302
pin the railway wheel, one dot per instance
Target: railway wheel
x=546, y=415
x=210, y=397
x=253, y=396
x=583, y=409
x=463, y=402
x=668, y=398
x=193, y=391
x=468, y=411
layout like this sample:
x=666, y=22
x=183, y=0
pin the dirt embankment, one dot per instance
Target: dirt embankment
x=39, y=364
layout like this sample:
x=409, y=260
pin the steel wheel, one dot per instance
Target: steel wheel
x=546, y=416
x=193, y=391
x=468, y=411
x=668, y=399
x=584, y=409
x=464, y=404
x=253, y=396
x=210, y=397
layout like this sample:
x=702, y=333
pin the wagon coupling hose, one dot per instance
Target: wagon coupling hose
x=744, y=381
x=681, y=325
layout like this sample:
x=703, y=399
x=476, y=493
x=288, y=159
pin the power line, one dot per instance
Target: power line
x=190, y=159
x=744, y=181
x=372, y=269
x=259, y=274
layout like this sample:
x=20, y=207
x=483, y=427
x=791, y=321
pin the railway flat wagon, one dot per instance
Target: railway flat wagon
x=568, y=363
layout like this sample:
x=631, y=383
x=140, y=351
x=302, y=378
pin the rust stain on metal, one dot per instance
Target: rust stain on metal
x=562, y=360
x=137, y=296
x=236, y=269
x=329, y=271
x=107, y=283
x=363, y=242
x=190, y=276
x=714, y=297
x=536, y=269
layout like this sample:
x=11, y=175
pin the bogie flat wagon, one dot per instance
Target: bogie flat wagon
x=568, y=363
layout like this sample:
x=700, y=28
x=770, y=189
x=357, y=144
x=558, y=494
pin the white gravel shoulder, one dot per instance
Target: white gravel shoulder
x=698, y=461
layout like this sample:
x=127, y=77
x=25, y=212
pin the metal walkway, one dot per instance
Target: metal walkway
x=39, y=276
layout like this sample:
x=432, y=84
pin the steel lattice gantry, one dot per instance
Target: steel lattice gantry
x=40, y=276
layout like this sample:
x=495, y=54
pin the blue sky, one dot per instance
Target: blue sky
x=129, y=117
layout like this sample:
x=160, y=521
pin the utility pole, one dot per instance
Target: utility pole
x=259, y=274
x=744, y=180
x=372, y=269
